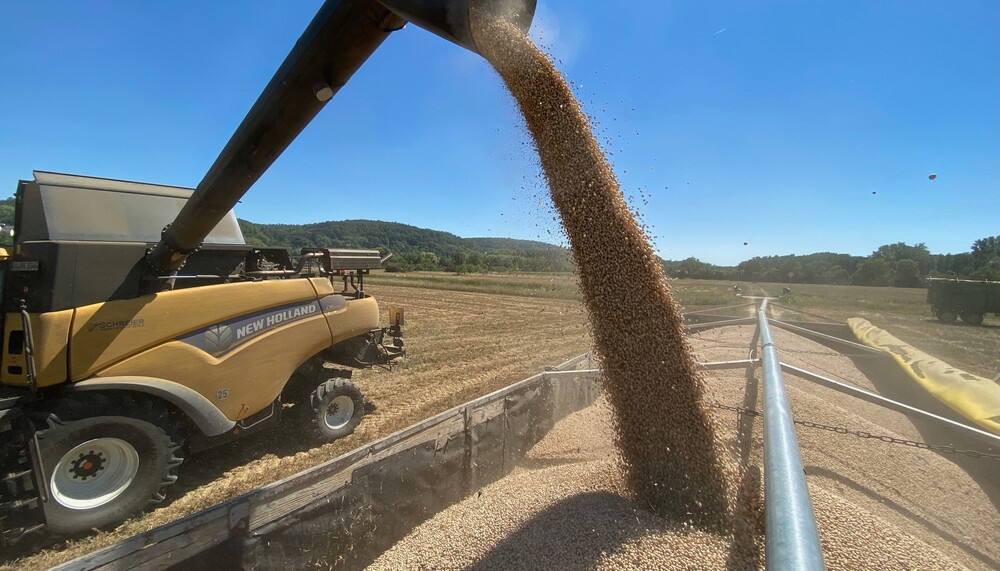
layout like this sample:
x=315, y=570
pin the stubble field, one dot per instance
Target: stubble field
x=469, y=335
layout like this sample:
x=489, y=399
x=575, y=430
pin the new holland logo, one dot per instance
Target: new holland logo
x=224, y=337
x=218, y=338
x=272, y=319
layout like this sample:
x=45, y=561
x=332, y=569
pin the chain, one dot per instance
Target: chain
x=862, y=434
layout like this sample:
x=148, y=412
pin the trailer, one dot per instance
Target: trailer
x=968, y=299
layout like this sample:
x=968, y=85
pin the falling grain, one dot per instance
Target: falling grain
x=668, y=445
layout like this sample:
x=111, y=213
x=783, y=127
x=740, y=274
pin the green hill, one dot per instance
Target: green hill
x=421, y=249
x=415, y=248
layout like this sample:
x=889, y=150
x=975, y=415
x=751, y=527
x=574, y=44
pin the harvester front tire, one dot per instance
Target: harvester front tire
x=945, y=316
x=102, y=469
x=338, y=405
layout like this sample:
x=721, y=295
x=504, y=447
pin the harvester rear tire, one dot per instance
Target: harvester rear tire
x=105, y=459
x=946, y=316
x=338, y=405
x=973, y=318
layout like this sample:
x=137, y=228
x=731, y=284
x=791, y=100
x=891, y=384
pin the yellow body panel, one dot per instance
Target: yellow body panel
x=322, y=286
x=251, y=376
x=235, y=344
x=50, y=332
x=106, y=333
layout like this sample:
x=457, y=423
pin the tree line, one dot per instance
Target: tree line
x=415, y=249
x=898, y=264
x=419, y=249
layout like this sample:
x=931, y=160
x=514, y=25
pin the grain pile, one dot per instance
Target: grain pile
x=667, y=442
x=878, y=505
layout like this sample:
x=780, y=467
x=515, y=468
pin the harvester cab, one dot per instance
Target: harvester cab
x=138, y=326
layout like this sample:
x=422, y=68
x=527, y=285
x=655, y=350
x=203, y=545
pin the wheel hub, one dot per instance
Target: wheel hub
x=94, y=473
x=339, y=412
x=87, y=465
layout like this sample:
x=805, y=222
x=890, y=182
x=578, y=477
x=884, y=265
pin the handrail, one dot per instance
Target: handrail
x=791, y=540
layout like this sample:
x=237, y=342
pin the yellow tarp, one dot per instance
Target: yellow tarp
x=974, y=397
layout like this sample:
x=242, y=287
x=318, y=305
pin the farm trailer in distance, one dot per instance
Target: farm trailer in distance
x=952, y=298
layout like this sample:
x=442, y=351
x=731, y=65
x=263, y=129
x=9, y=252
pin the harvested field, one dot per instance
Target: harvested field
x=878, y=505
x=506, y=338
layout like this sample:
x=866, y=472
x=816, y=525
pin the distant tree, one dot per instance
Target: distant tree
x=397, y=265
x=873, y=272
x=954, y=265
x=986, y=257
x=838, y=276
x=752, y=269
x=986, y=273
x=901, y=251
x=7, y=211
x=690, y=268
x=907, y=274
x=428, y=261
x=986, y=248
x=7, y=219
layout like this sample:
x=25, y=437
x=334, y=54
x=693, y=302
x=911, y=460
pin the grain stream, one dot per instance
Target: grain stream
x=668, y=446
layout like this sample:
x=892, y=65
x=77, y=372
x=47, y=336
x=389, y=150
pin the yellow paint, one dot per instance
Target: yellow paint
x=360, y=316
x=105, y=333
x=322, y=286
x=974, y=397
x=50, y=332
x=137, y=337
x=253, y=374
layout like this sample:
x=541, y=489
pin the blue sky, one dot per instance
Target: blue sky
x=795, y=127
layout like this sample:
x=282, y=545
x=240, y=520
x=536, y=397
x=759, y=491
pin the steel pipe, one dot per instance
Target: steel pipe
x=791, y=540
x=989, y=438
x=452, y=19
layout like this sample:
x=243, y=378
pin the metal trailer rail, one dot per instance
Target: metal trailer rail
x=362, y=502
x=791, y=537
x=791, y=540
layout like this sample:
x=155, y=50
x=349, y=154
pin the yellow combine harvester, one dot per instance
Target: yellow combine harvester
x=125, y=348
x=112, y=370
